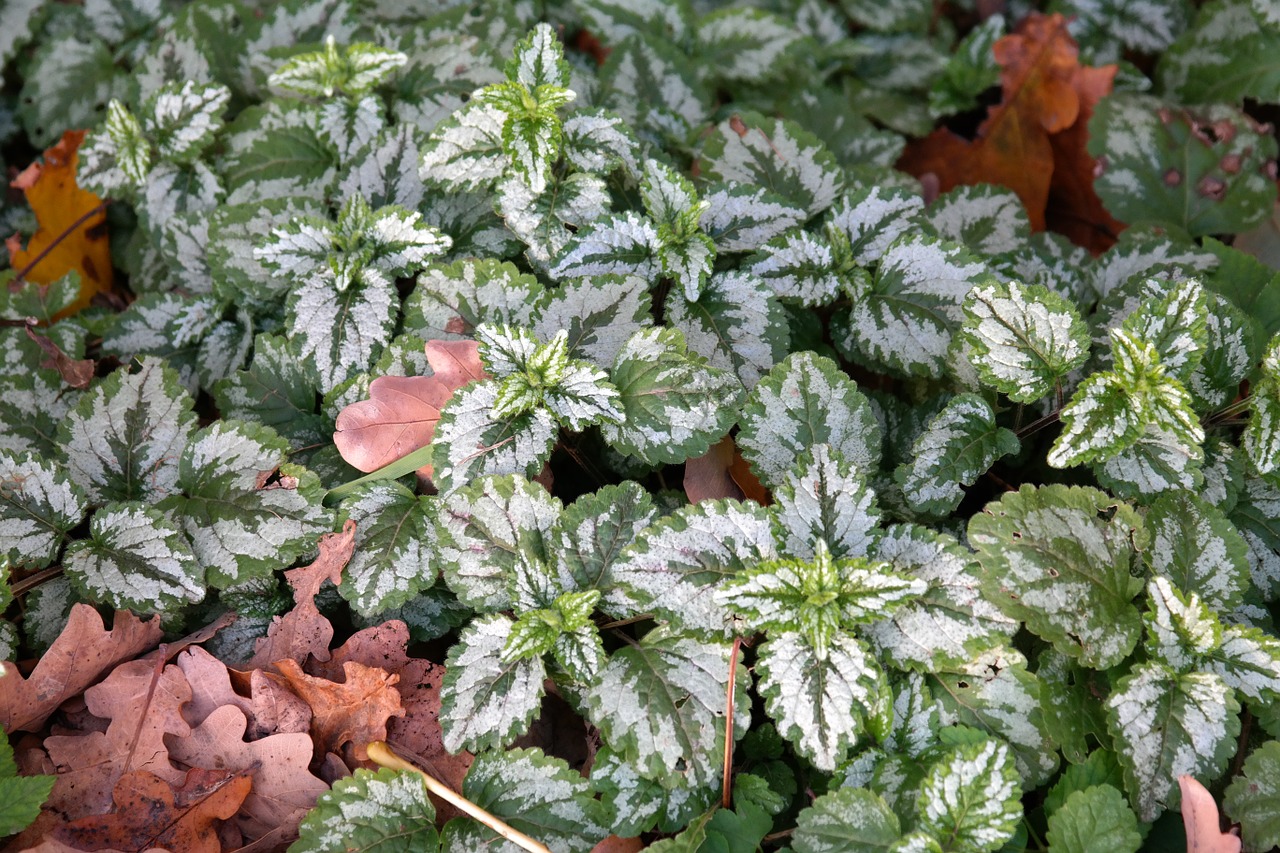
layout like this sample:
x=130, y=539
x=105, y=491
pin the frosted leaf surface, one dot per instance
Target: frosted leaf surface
x=824, y=497
x=485, y=702
x=39, y=504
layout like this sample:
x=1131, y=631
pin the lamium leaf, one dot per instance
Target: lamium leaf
x=1024, y=338
x=352, y=70
x=592, y=532
x=798, y=265
x=1176, y=326
x=489, y=529
x=1198, y=549
x=660, y=705
x=677, y=566
x=775, y=154
x=349, y=127
x=986, y=219
x=1262, y=434
x=449, y=301
x=639, y=803
x=1058, y=558
x=742, y=218
x=338, y=332
x=470, y=443
x=485, y=700
x=735, y=323
x=1180, y=629
x=275, y=392
x=825, y=498
x=806, y=400
x=543, y=219
x=1257, y=516
x=747, y=45
x=39, y=505
x=537, y=794
x=818, y=698
x=396, y=551
x=651, y=83
x=624, y=244
x=1165, y=725
x=972, y=796
x=670, y=199
x=957, y=447
x=600, y=142
x=952, y=622
x=1222, y=58
x=873, y=218
x=1253, y=797
x=1096, y=818
x=599, y=313
x=135, y=559
x=675, y=406
x=465, y=151
x=385, y=810
x=123, y=439
x=846, y=820
x=539, y=60
x=915, y=305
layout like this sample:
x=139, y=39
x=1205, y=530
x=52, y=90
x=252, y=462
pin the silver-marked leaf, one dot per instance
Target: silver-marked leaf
x=1194, y=545
x=542, y=220
x=274, y=152
x=1181, y=630
x=537, y=794
x=599, y=313
x=845, y=820
x=873, y=218
x=806, y=400
x=1223, y=58
x=1176, y=326
x=654, y=86
x=386, y=172
x=465, y=151
x=742, y=218
x=485, y=701
x=449, y=301
x=469, y=217
x=775, y=154
x=182, y=118
x=953, y=621
x=600, y=142
x=171, y=324
x=957, y=447
x=660, y=704
x=135, y=559
x=1165, y=725
x=640, y=804
x=687, y=262
x=22, y=14
x=1262, y=434
x=1228, y=357
x=339, y=333
x=490, y=531
x=1025, y=338
x=350, y=127
x=735, y=324
x=469, y=442
x=798, y=265
x=743, y=45
x=676, y=566
x=592, y=532
x=675, y=405
x=1248, y=660
x=1143, y=250
x=404, y=814
x=1052, y=262
x=824, y=498
x=1057, y=562
x=39, y=504
x=818, y=700
x=239, y=274
x=352, y=70
x=397, y=551
x=276, y=392
x=615, y=20
x=915, y=305
x=972, y=796
x=986, y=219
x=539, y=60
x=1257, y=516
x=123, y=439
x=623, y=244
x=69, y=81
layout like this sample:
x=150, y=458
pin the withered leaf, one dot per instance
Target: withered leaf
x=354, y=711
x=722, y=473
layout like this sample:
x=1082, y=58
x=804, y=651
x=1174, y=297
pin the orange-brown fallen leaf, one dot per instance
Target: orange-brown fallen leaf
x=1046, y=92
x=150, y=813
x=401, y=413
x=722, y=473
x=614, y=844
x=72, y=233
x=75, y=372
x=80, y=654
x=1200, y=817
x=354, y=711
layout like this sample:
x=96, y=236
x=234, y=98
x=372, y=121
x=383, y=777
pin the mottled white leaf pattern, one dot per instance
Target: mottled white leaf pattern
x=451, y=300
x=873, y=218
x=676, y=566
x=735, y=323
x=624, y=244
x=465, y=151
x=542, y=219
x=742, y=218
x=742, y=44
x=600, y=142
x=183, y=118
x=798, y=265
x=984, y=218
x=339, y=332
x=599, y=313
x=592, y=531
x=1262, y=434
x=486, y=702
x=350, y=126
x=470, y=443
x=353, y=70
x=1176, y=326
x=804, y=401
x=39, y=503
x=134, y=559
x=1180, y=629
x=1195, y=546
x=824, y=498
x=653, y=85
x=972, y=796
x=1256, y=517
x=397, y=547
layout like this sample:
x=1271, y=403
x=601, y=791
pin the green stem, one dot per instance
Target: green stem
x=403, y=465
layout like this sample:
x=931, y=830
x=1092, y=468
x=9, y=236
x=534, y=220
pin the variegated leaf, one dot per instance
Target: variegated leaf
x=339, y=333
x=350, y=127
x=599, y=313
x=449, y=301
x=640, y=803
x=1262, y=434
x=986, y=219
x=1181, y=630
x=846, y=819
x=873, y=218
x=1257, y=516
x=1222, y=59
x=654, y=86
x=825, y=498
x=465, y=151
x=592, y=532
x=397, y=549
x=276, y=392
x=39, y=505
x=688, y=262
x=972, y=796
x=486, y=702
x=600, y=142
x=470, y=443
x=1194, y=545
x=1248, y=660
x=798, y=265
x=1176, y=326
x=623, y=244
x=183, y=118
x=743, y=45
x=742, y=218
x=542, y=219
x=539, y=60
x=735, y=323
x=352, y=70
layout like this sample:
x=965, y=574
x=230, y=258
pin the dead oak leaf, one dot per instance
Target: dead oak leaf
x=150, y=813
x=80, y=654
x=721, y=472
x=270, y=708
x=283, y=789
x=354, y=711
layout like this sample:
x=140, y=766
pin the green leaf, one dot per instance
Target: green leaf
x=1262, y=434
x=674, y=405
x=678, y=565
x=1025, y=338
x=735, y=323
x=538, y=794
x=465, y=151
x=20, y=796
x=123, y=439
x=183, y=118
x=623, y=244
x=798, y=265
x=824, y=499
x=986, y=219
x=650, y=82
x=396, y=551
x=1253, y=798
x=952, y=621
x=449, y=301
x=539, y=60
x=1180, y=629
x=804, y=401
x=39, y=505
x=742, y=218
x=387, y=811
x=660, y=705
x=886, y=18
x=1176, y=326
x=1165, y=725
x=1194, y=545
x=542, y=220
x=957, y=447
x=1257, y=516
x=747, y=45
x=1072, y=714
x=352, y=71
x=971, y=798
x=915, y=304
x=846, y=820
x=470, y=443
x=600, y=142
x=1223, y=57
x=1095, y=819
x=970, y=71
x=775, y=154
x=638, y=803
x=275, y=392
x=1201, y=171
x=135, y=559
x=275, y=151
x=486, y=700
x=68, y=82
x=591, y=533
x=1058, y=558
x=599, y=314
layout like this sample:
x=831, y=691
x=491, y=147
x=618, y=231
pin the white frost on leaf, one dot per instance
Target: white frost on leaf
x=484, y=701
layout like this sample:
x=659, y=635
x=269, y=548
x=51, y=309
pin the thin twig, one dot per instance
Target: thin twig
x=382, y=754
x=32, y=581
x=726, y=779
x=22, y=273
x=619, y=623
x=1039, y=424
x=1246, y=725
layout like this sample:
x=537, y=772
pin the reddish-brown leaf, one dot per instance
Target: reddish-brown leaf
x=151, y=813
x=82, y=652
x=722, y=473
x=614, y=844
x=72, y=233
x=304, y=630
x=74, y=372
x=283, y=789
x=354, y=711
x=1042, y=85
x=1202, y=822
x=271, y=709
x=401, y=413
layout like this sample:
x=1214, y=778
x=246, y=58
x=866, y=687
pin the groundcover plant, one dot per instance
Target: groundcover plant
x=793, y=425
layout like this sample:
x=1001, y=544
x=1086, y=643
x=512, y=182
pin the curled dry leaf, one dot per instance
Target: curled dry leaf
x=1201, y=819
x=354, y=711
x=75, y=372
x=270, y=708
x=722, y=473
x=80, y=654
x=72, y=236
x=401, y=413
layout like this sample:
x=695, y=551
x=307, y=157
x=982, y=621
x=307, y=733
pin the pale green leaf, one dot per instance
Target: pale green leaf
x=352, y=70
x=486, y=701
x=1253, y=798
x=1094, y=819
x=846, y=820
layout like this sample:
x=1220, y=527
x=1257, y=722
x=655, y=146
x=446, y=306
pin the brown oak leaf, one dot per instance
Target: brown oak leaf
x=80, y=654
x=354, y=711
x=283, y=789
x=721, y=472
x=150, y=813
x=271, y=709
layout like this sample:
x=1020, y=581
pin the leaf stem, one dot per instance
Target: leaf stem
x=382, y=754
x=1039, y=424
x=1238, y=407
